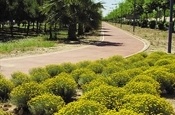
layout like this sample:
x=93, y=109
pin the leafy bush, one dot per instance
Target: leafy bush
x=78, y=72
x=141, y=87
x=45, y=104
x=161, y=26
x=19, y=78
x=144, y=78
x=83, y=64
x=63, y=85
x=147, y=104
x=112, y=68
x=163, y=62
x=39, y=74
x=21, y=94
x=122, y=112
x=68, y=67
x=120, y=79
x=92, y=85
x=5, y=88
x=106, y=95
x=116, y=59
x=96, y=67
x=152, y=24
x=136, y=58
x=154, y=57
x=165, y=79
x=144, y=24
x=82, y=107
x=4, y=113
x=134, y=72
x=53, y=70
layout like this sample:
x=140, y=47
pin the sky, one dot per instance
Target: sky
x=109, y=5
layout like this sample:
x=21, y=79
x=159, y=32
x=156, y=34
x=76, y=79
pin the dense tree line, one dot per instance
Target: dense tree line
x=141, y=10
x=79, y=16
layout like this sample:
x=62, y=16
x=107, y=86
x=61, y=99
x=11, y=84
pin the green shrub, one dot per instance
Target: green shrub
x=5, y=88
x=68, y=67
x=116, y=59
x=134, y=72
x=19, y=78
x=53, y=70
x=96, y=67
x=112, y=68
x=162, y=62
x=21, y=94
x=136, y=58
x=147, y=104
x=82, y=107
x=139, y=64
x=45, y=104
x=4, y=113
x=83, y=64
x=154, y=57
x=92, y=85
x=122, y=112
x=165, y=79
x=141, y=87
x=120, y=79
x=144, y=78
x=78, y=72
x=108, y=96
x=2, y=76
x=152, y=24
x=39, y=74
x=63, y=85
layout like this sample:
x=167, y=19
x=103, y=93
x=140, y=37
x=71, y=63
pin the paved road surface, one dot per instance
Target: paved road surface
x=115, y=42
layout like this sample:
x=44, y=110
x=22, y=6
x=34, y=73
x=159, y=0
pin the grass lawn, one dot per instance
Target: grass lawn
x=158, y=39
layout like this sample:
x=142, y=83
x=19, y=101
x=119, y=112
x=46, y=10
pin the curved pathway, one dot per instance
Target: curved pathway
x=114, y=42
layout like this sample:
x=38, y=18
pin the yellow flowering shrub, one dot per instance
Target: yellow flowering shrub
x=63, y=85
x=68, y=67
x=106, y=95
x=147, y=104
x=39, y=74
x=45, y=104
x=21, y=94
x=96, y=67
x=82, y=107
x=53, y=69
x=19, y=78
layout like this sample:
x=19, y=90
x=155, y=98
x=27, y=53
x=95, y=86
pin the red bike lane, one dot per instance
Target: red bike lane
x=114, y=42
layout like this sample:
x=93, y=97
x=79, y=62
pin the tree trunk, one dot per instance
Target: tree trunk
x=80, y=29
x=72, y=32
x=28, y=27
x=37, y=26
x=45, y=27
x=11, y=28
x=50, y=32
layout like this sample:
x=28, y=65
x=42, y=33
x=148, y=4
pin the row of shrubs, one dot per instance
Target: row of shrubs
x=153, y=24
x=113, y=86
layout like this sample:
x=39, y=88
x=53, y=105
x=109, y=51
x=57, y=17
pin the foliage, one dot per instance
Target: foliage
x=68, y=67
x=165, y=79
x=5, y=88
x=83, y=64
x=83, y=76
x=82, y=107
x=96, y=67
x=53, y=70
x=152, y=24
x=19, y=78
x=45, y=104
x=62, y=85
x=122, y=112
x=141, y=87
x=120, y=78
x=4, y=113
x=163, y=62
x=147, y=104
x=21, y=94
x=39, y=74
x=106, y=95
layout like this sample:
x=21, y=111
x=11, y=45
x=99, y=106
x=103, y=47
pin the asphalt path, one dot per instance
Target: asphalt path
x=113, y=41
